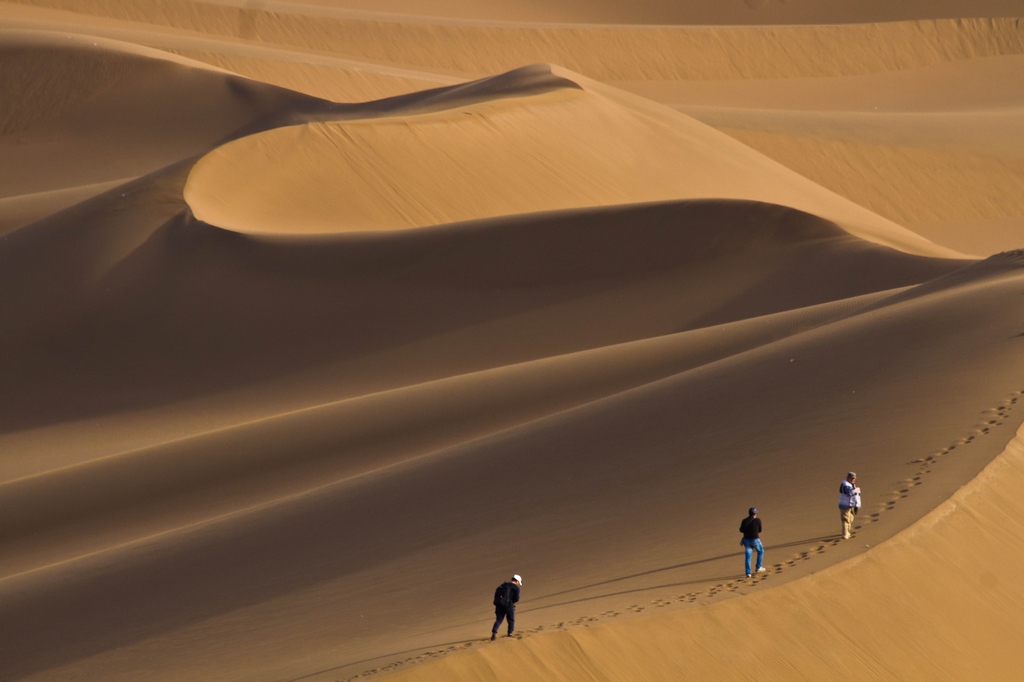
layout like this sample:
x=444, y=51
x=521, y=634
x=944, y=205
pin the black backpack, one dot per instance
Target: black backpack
x=503, y=595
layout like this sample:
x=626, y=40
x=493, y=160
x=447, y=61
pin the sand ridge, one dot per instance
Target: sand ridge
x=378, y=182
x=602, y=52
x=318, y=319
x=877, y=580
x=370, y=426
x=808, y=63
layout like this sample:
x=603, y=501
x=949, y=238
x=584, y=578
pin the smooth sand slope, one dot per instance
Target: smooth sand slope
x=290, y=384
x=934, y=149
x=680, y=11
x=90, y=114
x=964, y=171
x=935, y=602
x=599, y=52
x=534, y=140
x=268, y=544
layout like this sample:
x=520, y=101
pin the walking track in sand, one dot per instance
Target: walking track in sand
x=282, y=357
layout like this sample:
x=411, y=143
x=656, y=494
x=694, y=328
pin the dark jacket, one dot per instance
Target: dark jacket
x=751, y=528
x=513, y=596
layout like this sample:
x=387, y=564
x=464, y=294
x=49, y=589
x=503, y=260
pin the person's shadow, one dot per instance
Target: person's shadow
x=443, y=645
x=654, y=571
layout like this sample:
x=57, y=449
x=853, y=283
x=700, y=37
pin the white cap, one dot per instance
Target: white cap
x=518, y=579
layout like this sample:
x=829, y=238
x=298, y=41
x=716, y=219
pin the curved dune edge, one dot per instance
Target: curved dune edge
x=17, y=37
x=940, y=600
x=91, y=111
x=560, y=142
x=58, y=75
x=25, y=208
x=250, y=455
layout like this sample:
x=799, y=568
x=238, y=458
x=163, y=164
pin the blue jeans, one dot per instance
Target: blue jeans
x=748, y=547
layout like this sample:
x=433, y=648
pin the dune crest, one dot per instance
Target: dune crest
x=560, y=148
x=319, y=318
x=92, y=110
x=921, y=584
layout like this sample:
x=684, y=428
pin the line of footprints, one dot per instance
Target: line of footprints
x=995, y=417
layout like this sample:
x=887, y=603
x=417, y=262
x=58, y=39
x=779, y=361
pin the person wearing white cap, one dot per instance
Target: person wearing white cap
x=505, y=598
x=849, y=502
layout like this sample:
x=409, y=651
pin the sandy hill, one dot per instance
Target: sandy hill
x=432, y=45
x=956, y=59
x=290, y=384
x=933, y=602
x=536, y=144
x=933, y=148
x=297, y=540
x=681, y=11
x=93, y=113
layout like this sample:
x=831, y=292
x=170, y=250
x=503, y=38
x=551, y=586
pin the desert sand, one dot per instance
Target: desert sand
x=320, y=319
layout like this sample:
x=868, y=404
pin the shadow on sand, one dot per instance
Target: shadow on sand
x=785, y=545
x=409, y=652
x=412, y=653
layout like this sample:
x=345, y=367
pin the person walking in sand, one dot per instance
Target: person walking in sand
x=849, y=502
x=505, y=598
x=751, y=529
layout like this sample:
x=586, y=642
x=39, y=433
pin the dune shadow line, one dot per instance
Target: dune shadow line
x=784, y=545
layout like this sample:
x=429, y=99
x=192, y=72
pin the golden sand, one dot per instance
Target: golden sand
x=320, y=319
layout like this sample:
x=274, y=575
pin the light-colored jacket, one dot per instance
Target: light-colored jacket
x=849, y=496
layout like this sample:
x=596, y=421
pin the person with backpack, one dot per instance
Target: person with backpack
x=751, y=529
x=505, y=598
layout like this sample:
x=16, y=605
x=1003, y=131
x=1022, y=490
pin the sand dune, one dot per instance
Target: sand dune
x=93, y=111
x=528, y=151
x=726, y=12
x=980, y=83
x=912, y=63
x=675, y=257
x=943, y=582
x=601, y=52
x=925, y=176
x=679, y=12
x=664, y=440
x=115, y=261
x=320, y=318
x=933, y=149
x=26, y=208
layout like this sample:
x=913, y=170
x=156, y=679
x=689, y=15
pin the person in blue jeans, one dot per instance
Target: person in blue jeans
x=751, y=529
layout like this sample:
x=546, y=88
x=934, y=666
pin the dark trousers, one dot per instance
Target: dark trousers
x=500, y=614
